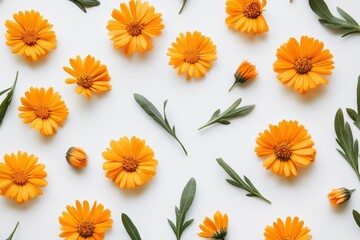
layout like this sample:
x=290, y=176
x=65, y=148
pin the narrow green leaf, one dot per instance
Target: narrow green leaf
x=79, y=5
x=6, y=102
x=350, y=32
x=188, y=195
x=229, y=170
x=236, y=184
x=356, y=216
x=13, y=232
x=183, y=5
x=186, y=224
x=215, y=114
x=172, y=225
x=224, y=122
x=352, y=114
x=4, y=91
x=320, y=8
x=347, y=17
x=130, y=227
x=89, y=3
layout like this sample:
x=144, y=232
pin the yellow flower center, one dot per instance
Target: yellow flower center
x=252, y=10
x=42, y=112
x=30, y=37
x=19, y=177
x=191, y=56
x=303, y=65
x=134, y=28
x=130, y=164
x=86, y=228
x=85, y=80
x=283, y=151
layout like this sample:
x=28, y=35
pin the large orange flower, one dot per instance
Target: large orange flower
x=134, y=26
x=290, y=229
x=286, y=147
x=30, y=35
x=246, y=16
x=21, y=177
x=192, y=54
x=302, y=64
x=43, y=110
x=216, y=228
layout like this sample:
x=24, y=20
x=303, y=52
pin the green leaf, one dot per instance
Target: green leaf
x=130, y=227
x=4, y=91
x=172, y=225
x=89, y=3
x=186, y=224
x=347, y=17
x=356, y=216
x=320, y=8
x=6, y=102
x=79, y=5
x=152, y=111
x=13, y=232
x=183, y=5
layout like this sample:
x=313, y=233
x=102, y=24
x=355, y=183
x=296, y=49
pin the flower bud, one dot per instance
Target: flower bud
x=77, y=157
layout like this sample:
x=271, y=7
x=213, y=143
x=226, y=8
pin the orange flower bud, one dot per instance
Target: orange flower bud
x=339, y=196
x=77, y=157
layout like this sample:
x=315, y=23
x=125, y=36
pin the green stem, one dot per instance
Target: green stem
x=206, y=125
x=183, y=5
x=13, y=232
x=233, y=86
x=182, y=146
x=264, y=199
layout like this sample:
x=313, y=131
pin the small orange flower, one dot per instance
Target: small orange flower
x=339, y=196
x=246, y=71
x=77, y=157
x=290, y=229
x=214, y=229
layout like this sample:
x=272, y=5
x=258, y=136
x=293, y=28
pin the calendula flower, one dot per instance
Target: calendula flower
x=129, y=163
x=292, y=229
x=30, y=35
x=82, y=223
x=89, y=75
x=77, y=157
x=246, y=16
x=214, y=229
x=43, y=110
x=302, y=64
x=339, y=195
x=192, y=53
x=246, y=71
x=21, y=177
x=286, y=146
x=134, y=26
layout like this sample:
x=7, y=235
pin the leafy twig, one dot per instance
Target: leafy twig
x=83, y=4
x=328, y=19
x=183, y=5
x=238, y=182
x=6, y=102
x=345, y=139
x=355, y=116
x=13, y=232
x=130, y=227
x=187, y=198
x=230, y=113
x=151, y=110
x=356, y=216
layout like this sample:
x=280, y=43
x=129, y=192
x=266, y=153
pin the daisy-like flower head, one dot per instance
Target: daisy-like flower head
x=303, y=64
x=245, y=72
x=81, y=222
x=192, y=53
x=77, y=157
x=134, y=26
x=214, y=229
x=43, y=110
x=246, y=16
x=339, y=195
x=129, y=162
x=21, y=177
x=30, y=35
x=89, y=75
x=292, y=229
x=286, y=146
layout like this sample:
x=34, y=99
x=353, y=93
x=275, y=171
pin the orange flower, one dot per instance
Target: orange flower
x=77, y=157
x=339, y=196
x=214, y=229
x=246, y=71
x=30, y=35
x=134, y=26
x=291, y=229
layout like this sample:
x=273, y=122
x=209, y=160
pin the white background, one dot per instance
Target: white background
x=92, y=124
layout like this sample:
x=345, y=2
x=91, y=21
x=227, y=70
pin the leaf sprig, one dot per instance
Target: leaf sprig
x=355, y=116
x=152, y=111
x=187, y=198
x=356, y=216
x=83, y=4
x=6, y=102
x=345, y=139
x=13, y=232
x=236, y=181
x=349, y=25
x=183, y=5
x=130, y=227
x=230, y=113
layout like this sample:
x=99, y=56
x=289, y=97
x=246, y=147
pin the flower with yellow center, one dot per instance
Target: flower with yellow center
x=43, y=110
x=129, y=163
x=89, y=75
x=339, y=195
x=192, y=53
x=215, y=229
x=245, y=72
x=246, y=16
x=82, y=223
x=134, y=26
x=286, y=146
x=77, y=157
x=292, y=229
x=302, y=65
x=30, y=35
x=21, y=177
